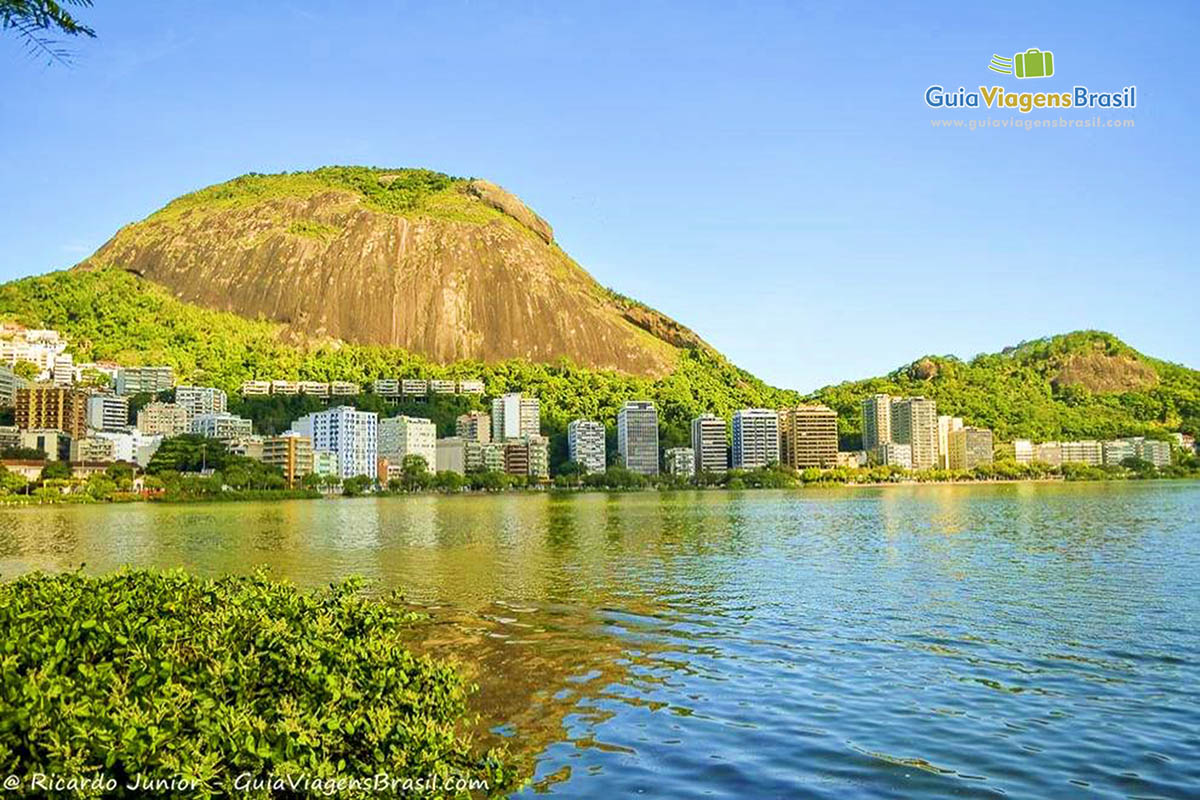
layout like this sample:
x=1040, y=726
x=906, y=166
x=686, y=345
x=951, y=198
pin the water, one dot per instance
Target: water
x=1028, y=640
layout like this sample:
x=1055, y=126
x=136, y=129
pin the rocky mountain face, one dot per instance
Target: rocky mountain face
x=448, y=268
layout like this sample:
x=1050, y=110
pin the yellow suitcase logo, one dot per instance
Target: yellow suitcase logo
x=1033, y=63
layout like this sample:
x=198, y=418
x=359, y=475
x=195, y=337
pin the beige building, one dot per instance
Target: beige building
x=808, y=437
x=914, y=422
x=1024, y=451
x=484, y=457
x=1082, y=452
x=92, y=448
x=475, y=426
x=877, y=421
x=452, y=455
x=168, y=419
x=46, y=407
x=894, y=455
x=946, y=425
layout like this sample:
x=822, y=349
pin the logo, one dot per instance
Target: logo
x=1033, y=63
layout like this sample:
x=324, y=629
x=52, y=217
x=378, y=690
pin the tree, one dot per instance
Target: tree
x=56, y=471
x=415, y=472
x=357, y=485
x=31, y=20
x=11, y=482
x=26, y=369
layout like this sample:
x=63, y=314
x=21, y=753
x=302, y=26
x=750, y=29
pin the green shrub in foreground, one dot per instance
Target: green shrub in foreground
x=169, y=676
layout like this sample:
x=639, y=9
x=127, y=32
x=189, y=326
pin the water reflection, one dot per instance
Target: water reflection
x=902, y=641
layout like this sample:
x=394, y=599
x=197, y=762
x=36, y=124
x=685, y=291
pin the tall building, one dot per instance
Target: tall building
x=946, y=425
x=107, y=412
x=637, y=437
x=756, y=438
x=346, y=431
x=1050, y=453
x=1118, y=450
x=168, y=419
x=1024, y=451
x=877, y=421
x=585, y=444
x=144, y=380
x=515, y=416
x=680, y=461
x=808, y=437
x=9, y=383
x=292, y=453
x=474, y=426
x=201, y=399
x=408, y=436
x=46, y=407
x=222, y=426
x=914, y=422
x=970, y=448
x=1156, y=452
x=529, y=456
x=710, y=449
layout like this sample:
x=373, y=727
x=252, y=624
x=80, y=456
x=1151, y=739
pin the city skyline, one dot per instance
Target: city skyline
x=790, y=192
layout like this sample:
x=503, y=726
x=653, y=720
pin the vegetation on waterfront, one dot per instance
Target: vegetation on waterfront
x=170, y=676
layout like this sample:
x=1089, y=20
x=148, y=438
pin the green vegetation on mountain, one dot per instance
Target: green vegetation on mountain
x=1085, y=384
x=112, y=315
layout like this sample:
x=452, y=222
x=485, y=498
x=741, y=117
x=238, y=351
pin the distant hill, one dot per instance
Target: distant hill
x=447, y=268
x=1086, y=384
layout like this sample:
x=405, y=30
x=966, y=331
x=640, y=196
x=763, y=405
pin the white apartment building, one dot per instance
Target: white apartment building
x=106, y=412
x=408, y=436
x=133, y=446
x=9, y=383
x=585, y=444
x=144, y=380
x=894, y=455
x=201, y=399
x=680, y=461
x=877, y=421
x=515, y=416
x=915, y=423
x=755, y=438
x=352, y=434
x=1024, y=451
x=709, y=446
x=223, y=426
x=637, y=437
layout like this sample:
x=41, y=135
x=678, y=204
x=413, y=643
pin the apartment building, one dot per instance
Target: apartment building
x=970, y=447
x=585, y=444
x=1024, y=451
x=808, y=437
x=201, y=400
x=54, y=443
x=474, y=426
x=167, y=419
x=515, y=416
x=9, y=383
x=877, y=421
x=529, y=456
x=132, y=446
x=914, y=422
x=1116, y=451
x=452, y=455
x=756, y=438
x=349, y=433
x=403, y=436
x=680, y=461
x=637, y=437
x=143, y=380
x=222, y=426
x=484, y=457
x=894, y=455
x=292, y=453
x=45, y=407
x=710, y=447
x=1082, y=452
x=107, y=412
x=93, y=448
x=946, y=425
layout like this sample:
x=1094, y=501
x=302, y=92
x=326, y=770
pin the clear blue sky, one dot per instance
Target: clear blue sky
x=766, y=173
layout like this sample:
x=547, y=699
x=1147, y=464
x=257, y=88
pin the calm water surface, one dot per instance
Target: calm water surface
x=1020, y=640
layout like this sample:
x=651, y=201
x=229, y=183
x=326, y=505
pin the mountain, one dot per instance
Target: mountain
x=1086, y=384
x=447, y=268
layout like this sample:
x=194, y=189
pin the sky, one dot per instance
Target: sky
x=766, y=173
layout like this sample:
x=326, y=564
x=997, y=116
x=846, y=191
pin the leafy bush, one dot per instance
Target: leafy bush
x=168, y=676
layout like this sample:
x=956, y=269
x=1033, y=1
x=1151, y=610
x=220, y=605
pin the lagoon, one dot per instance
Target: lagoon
x=1027, y=639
